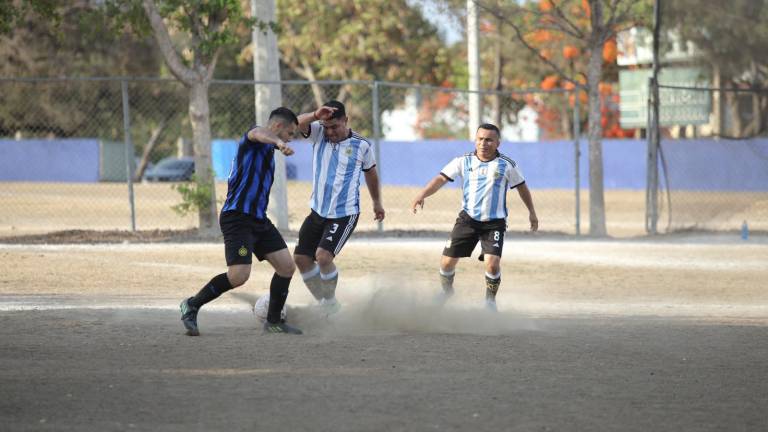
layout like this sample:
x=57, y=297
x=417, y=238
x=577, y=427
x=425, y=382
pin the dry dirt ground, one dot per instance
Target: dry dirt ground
x=591, y=335
x=33, y=208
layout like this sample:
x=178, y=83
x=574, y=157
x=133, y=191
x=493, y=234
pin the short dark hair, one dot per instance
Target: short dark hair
x=340, y=110
x=285, y=115
x=489, y=126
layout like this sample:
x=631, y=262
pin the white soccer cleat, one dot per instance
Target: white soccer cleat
x=490, y=305
x=442, y=297
x=330, y=306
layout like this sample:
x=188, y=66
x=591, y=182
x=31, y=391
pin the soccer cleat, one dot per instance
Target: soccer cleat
x=490, y=305
x=189, y=318
x=442, y=297
x=330, y=306
x=280, y=327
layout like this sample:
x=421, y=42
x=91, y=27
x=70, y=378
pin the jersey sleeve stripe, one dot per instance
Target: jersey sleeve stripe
x=522, y=182
x=446, y=177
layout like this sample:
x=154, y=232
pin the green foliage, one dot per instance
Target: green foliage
x=202, y=27
x=731, y=35
x=195, y=196
x=13, y=12
x=361, y=40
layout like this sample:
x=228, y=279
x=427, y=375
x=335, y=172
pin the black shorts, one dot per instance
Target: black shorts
x=467, y=231
x=329, y=234
x=245, y=235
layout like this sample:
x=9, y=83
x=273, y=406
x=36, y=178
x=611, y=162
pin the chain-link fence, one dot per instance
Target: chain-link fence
x=713, y=172
x=65, y=139
x=64, y=155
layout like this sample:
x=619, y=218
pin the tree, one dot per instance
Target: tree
x=12, y=12
x=190, y=35
x=76, y=40
x=359, y=40
x=732, y=41
x=587, y=25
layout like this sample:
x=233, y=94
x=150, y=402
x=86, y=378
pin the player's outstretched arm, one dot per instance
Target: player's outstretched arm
x=322, y=113
x=525, y=196
x=374, y=188
x=266, y=136
x=433, y=186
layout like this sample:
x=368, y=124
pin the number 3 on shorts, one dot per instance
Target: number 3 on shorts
x=333, y=228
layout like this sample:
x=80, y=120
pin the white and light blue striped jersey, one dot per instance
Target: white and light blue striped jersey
x=336, y=172
x=485, y=184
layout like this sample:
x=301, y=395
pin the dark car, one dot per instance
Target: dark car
x=171, y=169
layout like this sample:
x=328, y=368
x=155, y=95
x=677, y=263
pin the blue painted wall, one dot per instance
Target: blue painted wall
x=61, y=160
x=693, y=164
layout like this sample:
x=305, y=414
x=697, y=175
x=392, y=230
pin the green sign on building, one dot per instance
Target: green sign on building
x=676, y=106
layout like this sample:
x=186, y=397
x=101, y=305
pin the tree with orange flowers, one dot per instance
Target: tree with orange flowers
x=574, y=38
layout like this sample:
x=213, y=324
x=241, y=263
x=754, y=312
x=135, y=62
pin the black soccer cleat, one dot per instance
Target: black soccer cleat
x=189, y=318
x=280, y=327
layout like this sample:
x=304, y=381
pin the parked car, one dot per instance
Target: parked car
x=171, y=169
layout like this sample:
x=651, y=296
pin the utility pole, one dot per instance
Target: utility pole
x=473, y=60
x=654, y=131
x=266, y=67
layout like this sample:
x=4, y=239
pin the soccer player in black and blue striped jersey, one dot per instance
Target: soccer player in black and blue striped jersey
x=247, y=230
x=486, y=176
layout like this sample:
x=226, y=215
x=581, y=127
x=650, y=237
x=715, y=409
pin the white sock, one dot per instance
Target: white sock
x=330, y=275
x=312, y=273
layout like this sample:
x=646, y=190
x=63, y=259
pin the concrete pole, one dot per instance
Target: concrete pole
x=266, y=67
x=473, y=60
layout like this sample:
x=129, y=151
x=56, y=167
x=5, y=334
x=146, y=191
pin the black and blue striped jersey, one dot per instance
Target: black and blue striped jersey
x=250, y=178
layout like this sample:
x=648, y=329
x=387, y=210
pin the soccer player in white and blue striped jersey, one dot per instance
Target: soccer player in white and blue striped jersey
x=486, y=176
x=340, y=158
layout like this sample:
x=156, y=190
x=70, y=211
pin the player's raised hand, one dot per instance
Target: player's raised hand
x=324, y=112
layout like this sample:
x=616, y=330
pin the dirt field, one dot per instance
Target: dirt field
x=591, y=335
x=28, y=208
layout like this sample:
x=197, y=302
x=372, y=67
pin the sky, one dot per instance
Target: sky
x=449, y=28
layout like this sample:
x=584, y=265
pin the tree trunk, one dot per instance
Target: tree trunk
x=756, y=124
x=199, y=116
x=147, y=150
x=732, y=101
x=597, y=225
x=317, y=91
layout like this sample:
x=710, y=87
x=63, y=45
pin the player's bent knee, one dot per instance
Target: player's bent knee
x=324, y=257
x=237, y=279
x=286, y=269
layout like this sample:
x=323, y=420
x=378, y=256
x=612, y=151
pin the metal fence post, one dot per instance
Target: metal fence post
x=577, y=157
x=376, y=138
x=128, y=151
x=652, y=182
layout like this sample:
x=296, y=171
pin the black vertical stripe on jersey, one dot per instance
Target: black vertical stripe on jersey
x=265, y=170
x=238, y=169
x=248, y=181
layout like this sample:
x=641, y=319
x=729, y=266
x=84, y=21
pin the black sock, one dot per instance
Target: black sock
x=212, y=290
x=278, y=294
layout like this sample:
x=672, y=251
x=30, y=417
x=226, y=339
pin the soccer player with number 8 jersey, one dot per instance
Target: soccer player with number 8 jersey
x=486, y=176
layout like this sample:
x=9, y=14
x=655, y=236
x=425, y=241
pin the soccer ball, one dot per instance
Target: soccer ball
x=261, y=308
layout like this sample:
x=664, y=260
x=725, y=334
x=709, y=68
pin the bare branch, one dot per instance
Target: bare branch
x=172, y=58
x=212, y=65
x=575, y=30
